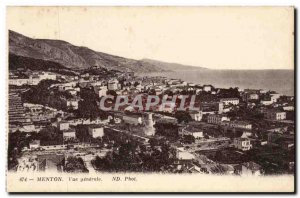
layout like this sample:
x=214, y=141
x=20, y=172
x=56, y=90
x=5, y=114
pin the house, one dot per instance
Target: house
x=275, y=115
x=100, y=90
x=72, y=92
x=63, y=125
x=196, y=115
x=232, y=101
x=96, y=131
x=134, y=119
x=46, y=75
x=181, y=154
x=69, y=134
x=275, y=96
x=113, y=84
x=72, y=103
x=216, y=118
x=208, y=88
x=34, y=144
x=248, y=169
x=192, y=130
x=251, y=96
x=240, y=125
x=242, y=143
x=288, y=108
x=18, y=81
x=266, y=102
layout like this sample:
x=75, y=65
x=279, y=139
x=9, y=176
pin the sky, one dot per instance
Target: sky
x=211, y=37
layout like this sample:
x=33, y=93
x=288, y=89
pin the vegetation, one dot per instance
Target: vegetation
x=75, y=164
x=41, y=94
x=88, y=106
x=183, y=116
x=167, y=129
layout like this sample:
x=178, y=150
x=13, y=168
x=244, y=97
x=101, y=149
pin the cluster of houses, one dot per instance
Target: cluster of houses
x=27, y=117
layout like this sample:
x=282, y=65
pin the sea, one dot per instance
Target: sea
x=281, y=81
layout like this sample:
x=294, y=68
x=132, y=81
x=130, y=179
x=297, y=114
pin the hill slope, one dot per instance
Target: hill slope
x=80, y=58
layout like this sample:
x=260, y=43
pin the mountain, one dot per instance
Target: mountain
x=171, y=66
x=79, y=58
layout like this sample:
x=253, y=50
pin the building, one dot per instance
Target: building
x=216, y=118
x=196, y=132
x=96, y=131
x=275, y=115
x=100, y=90
x=149, y=128
x=196, y=115
x=18, y=81
x=242, y=143
x=240, y=125
x=228, y=101
x=46, y=76
x=72, y=103
x=63, y=125
x=253, y=96
x=69, y=134
x=248, y=169
x=113, y=84
x=288, y=108
x=275, y=96
x=183, y=155
x=134, y=119
x=266, y=102
x=208, y=88
x=34, y=144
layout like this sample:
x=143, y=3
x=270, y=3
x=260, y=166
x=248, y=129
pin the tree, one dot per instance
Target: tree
x=51, y=136
x=76, y=165
x=188, y=139
x=167, y=129
x=183, y=116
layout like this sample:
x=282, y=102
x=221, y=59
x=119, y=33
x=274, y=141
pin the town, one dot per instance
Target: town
x=56, y=123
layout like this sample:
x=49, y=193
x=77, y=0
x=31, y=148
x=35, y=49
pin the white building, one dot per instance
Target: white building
x=196, y=115
x=18, y=81
x=34, y=144
x=275, y=115
x=195, y=132
x=217, y=118
x=46, y=76
x=207, y=88
x=63, y=125
x=72, y=103
x=69, y=134
x=113, y=84
x=288, y=108
x=240, y=125
x=253, y=96
x=243, y=144
x=227, y=101
x=133, y=119
x=266, y=102
x=100, y=90
x=181, y=154
x=96, y=131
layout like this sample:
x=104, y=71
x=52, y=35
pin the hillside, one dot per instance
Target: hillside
x=171, y=66
x=81, y=58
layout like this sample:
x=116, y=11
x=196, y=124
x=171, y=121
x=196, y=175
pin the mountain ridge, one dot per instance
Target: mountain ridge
x=80, y=57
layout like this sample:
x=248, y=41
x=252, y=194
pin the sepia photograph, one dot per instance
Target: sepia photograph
x=150, y=99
